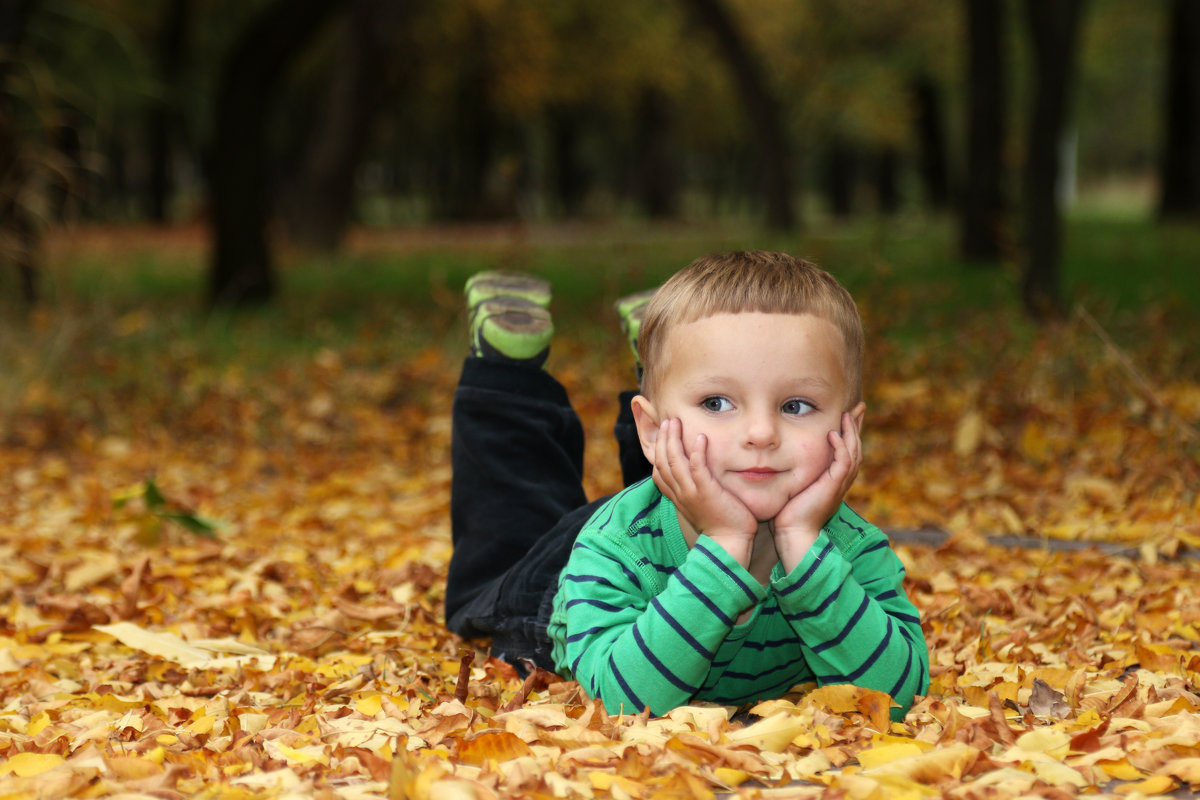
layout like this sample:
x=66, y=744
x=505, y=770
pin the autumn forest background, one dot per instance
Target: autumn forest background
x=233, y=236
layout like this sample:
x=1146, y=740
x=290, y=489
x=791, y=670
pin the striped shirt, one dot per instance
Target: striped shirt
x=640, y=619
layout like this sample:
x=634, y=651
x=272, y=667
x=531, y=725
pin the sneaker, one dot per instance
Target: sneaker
x=631, y=309
x=511, y=329
x=488, y=285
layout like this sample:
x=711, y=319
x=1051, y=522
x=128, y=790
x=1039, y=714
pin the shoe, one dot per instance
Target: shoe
x=631, y=309
x=511, y=329
x=492, y=284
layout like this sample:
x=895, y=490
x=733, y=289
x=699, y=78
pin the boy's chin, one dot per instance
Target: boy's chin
x=764, y=509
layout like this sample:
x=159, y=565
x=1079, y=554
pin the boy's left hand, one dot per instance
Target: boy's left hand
x=797, y=525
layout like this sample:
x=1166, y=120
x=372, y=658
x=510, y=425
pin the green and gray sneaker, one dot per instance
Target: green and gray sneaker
x=631, y=309
x=510, y=320
x=492, y=284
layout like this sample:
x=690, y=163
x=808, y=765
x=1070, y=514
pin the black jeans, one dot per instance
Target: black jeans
x=517, y=503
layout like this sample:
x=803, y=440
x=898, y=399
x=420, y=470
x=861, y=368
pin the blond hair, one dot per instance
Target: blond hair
x=749, y=281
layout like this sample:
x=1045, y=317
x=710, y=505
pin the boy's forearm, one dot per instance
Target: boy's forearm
x=661, y=653
x=793, y=546
x=868, y=636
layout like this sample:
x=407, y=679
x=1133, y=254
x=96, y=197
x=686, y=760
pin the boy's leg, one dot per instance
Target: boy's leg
x=634, y=466
x=516, y=455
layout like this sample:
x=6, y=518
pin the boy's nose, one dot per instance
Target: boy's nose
x=761, y=430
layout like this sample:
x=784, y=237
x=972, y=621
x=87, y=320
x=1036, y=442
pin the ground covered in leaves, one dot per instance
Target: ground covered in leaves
x=299, y=652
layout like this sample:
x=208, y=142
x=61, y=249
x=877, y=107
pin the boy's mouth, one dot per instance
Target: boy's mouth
x=758, y=473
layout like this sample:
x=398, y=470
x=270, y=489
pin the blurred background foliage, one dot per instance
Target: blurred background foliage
x=293, y=121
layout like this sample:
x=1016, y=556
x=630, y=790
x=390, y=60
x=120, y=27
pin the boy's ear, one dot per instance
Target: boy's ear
x=645, y=416
x=857, y=413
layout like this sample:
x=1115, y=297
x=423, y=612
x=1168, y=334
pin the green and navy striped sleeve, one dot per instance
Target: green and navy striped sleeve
x=846, y=602
x=634, y=651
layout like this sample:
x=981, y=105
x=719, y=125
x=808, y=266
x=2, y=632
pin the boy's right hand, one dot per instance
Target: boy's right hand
x=685, y=479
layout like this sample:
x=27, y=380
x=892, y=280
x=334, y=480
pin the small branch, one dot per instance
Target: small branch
x=1140, y=380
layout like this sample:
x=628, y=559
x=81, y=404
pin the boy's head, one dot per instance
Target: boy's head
x=750, y=281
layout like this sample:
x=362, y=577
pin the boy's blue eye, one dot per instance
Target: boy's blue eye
x=716, y=403
x=798, y=407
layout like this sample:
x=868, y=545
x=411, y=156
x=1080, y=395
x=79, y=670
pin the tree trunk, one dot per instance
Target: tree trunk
x=762, y=109
x=931, y=142
x=18, y=234
x=317, y=205
x=983, y=207
x=1053, y=27
x=656, y=179
x=839, y=173
x=569, y=179
x=241, y=271
x=163, y=115
x=1181, y=152
x=887, y=181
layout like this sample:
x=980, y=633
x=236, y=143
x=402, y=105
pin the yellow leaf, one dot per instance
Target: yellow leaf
x=1185, y=769
x=1121, y=770
x=25, y=765
x=773, y=734
x=300, y=755
x=163, y=645
x=931, y=766
x=883, y=754
x=1057, y=774
x=37, y=724
x=968, y=434
x=1157, y=784
x=369, y=706
x=729, y=776
x=1045, y=740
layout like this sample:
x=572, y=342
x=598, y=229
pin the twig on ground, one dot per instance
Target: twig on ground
x=1143, y=384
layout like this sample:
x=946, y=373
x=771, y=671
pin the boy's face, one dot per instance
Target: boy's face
x=765, y=389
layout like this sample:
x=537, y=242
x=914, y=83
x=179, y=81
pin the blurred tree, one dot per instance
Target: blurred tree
x=163, y=116
x=1053, y=28
x=317, y=201
x=18, y=240
x=762, y=108
x=241, y=272
x=931, y=141
x=983, y=208
x=1180, y=160
x=654, y=149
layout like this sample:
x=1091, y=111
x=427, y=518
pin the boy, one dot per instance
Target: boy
x=735, y=572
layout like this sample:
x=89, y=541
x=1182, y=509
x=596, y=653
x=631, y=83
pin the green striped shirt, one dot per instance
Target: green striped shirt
x=640, y=619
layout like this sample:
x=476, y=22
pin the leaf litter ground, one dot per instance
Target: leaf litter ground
x=300, y=652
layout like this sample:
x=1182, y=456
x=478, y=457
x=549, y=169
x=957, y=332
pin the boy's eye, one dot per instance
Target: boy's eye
x=798, y=407
x=716, y=403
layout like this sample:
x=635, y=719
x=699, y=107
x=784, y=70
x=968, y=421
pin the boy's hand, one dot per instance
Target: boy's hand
x=687, y=482
x=796, y=527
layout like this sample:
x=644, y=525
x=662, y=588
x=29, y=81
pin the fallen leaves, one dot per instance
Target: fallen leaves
x=301, y=653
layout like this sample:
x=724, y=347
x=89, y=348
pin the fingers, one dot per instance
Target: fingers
x=847, y=453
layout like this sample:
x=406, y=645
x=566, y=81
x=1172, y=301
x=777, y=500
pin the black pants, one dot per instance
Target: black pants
x=517, y=502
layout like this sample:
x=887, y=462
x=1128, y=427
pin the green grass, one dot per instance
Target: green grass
x=129, y=307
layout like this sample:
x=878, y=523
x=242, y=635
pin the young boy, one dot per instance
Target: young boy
x=736, y=571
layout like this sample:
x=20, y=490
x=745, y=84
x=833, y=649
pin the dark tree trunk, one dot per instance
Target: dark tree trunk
x=1181, y=153
x=239, y=177
x=887, y=183
x=568, y=176
x=317, y=205
x=762, y=109
x=16, y=225
x=983, y=207
x=656, y=179
x=931, y=142
x=1053, y=27
x=839, y=178
x=163, y=115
